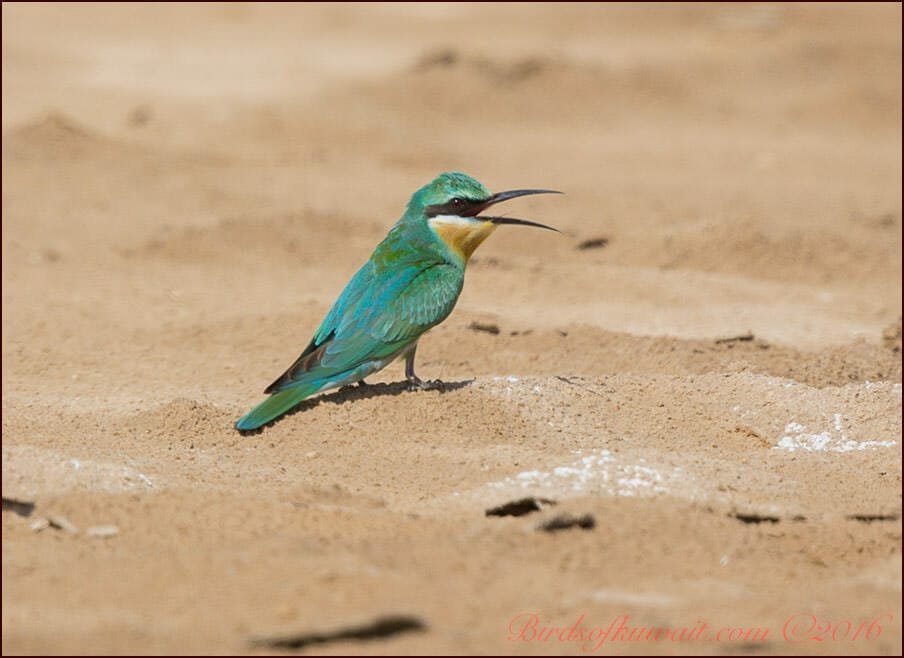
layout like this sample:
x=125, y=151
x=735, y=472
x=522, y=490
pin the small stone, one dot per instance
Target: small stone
x=20, y=507
x=520, y=507
x=566, y=521
x=61, y=523
x=40, y=524
x=593, y=243
x=102, y=531
x=486, y=327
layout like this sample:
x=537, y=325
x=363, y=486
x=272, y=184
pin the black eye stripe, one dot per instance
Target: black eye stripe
x=456, y=206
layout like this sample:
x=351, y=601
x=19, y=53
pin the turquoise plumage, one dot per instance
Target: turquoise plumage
x=410, y=283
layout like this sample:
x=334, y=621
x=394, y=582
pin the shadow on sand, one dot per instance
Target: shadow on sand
x=357, y=392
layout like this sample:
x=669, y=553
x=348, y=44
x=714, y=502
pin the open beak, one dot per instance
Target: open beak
x=505, y=196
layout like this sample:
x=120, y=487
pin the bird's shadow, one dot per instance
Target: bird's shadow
x=356, y=392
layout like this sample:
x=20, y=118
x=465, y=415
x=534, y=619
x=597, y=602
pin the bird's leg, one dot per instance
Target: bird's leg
x=415, y=383
x=361, y=383
x=413, y=379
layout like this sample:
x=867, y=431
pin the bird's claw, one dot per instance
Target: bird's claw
x=418, y=384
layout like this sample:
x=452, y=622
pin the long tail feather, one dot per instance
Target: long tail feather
x=274, y=406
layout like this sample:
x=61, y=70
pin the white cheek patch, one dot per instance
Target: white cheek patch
x=452, y=220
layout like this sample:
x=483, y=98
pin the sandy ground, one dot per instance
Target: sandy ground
x=705, y=366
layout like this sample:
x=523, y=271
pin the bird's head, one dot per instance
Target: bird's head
x=451, y=204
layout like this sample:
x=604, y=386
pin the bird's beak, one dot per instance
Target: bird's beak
x=505, y=196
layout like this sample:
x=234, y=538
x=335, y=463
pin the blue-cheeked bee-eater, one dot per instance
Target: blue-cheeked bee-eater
x=410, y=284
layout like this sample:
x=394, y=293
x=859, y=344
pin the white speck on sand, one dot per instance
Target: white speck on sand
x=797, y=438
x=598, y=472
x=647, y=599
x=510, y=378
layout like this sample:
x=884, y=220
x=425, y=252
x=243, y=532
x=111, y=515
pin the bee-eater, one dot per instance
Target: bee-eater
x=410, y=284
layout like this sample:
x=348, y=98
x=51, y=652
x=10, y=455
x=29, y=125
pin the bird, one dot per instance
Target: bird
x=409, y=284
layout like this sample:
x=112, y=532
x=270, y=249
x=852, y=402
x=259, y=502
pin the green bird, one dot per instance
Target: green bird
x=410, y=284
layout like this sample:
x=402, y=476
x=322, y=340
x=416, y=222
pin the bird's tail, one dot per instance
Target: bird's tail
x=274, y=406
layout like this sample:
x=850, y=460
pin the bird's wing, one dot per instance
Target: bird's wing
x=425, y=301
x=376, y=316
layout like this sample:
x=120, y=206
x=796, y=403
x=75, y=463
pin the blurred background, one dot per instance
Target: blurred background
x=188, y=187
x=752, y=140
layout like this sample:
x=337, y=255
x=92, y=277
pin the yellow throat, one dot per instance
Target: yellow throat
x=461, y=234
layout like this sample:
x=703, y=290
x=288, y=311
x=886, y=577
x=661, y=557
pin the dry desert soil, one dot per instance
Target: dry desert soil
x=683, y=412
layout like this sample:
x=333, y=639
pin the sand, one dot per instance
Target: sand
x=696, y=386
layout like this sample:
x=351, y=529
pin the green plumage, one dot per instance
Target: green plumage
x=410, y=284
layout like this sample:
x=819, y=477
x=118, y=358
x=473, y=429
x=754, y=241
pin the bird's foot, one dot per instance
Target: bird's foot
x=418, y=384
